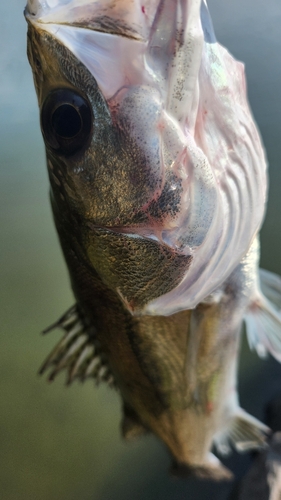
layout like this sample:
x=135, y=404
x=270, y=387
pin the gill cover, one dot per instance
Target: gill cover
x=183, y=100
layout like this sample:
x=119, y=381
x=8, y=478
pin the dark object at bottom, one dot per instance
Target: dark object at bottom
x=263, y=480
x=183, y=471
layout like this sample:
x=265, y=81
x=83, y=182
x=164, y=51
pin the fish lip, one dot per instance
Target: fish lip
x=35, y=19
x=28, y=14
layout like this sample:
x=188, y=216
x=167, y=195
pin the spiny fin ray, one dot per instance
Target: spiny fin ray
x=244, y=433
x=78, y=352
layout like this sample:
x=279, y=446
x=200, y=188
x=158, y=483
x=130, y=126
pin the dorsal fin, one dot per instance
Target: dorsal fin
x=78, y=352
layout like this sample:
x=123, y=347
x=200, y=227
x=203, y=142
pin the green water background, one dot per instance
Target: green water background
x=64, y=444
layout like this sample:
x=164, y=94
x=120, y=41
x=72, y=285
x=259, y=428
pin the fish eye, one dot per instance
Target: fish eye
x=66, y=121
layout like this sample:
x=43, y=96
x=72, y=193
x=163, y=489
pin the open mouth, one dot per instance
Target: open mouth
x=102, y=23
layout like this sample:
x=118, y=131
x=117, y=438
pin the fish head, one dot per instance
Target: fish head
x=163, y=178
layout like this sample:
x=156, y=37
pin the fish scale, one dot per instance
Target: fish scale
x=158, y=187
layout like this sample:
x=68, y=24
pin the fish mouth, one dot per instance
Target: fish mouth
x=103, y=24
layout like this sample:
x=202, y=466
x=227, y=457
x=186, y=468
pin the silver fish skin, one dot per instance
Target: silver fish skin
x=158, y=185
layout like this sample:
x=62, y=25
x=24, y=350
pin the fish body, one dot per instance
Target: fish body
x=158, y=189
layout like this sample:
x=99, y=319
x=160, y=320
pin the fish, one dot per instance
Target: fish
x=158, y=187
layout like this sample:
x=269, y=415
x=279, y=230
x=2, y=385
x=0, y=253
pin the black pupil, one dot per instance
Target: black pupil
x=66, y=121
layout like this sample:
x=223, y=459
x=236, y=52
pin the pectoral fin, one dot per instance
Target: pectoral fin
x=243, y=432
x=263, y=319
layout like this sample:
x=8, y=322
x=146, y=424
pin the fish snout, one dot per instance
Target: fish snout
x=34, y=8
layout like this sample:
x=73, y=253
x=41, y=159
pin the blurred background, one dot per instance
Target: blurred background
x=64, y=444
